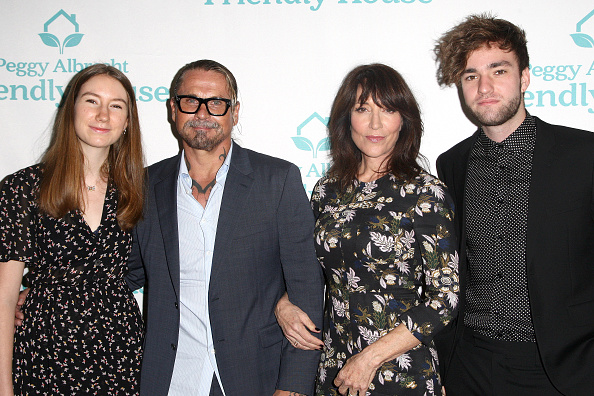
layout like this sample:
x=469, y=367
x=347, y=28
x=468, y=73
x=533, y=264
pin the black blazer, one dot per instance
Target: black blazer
x=264, y=246
x=559, y=251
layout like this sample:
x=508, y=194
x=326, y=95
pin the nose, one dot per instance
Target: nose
x=103, y=114
x=485, y=85
x=375, y=122
x=202, y=111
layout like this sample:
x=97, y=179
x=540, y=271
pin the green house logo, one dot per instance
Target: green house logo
x=305, y=144
x=71, y=40
x=582, y=39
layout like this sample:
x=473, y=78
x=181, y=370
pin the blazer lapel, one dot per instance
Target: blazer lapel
x=237, y=186
x=166, y=202
x=540, y=185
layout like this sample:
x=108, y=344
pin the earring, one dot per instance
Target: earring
x=125, y=130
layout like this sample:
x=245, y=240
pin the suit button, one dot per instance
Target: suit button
x=176, y=306
x=173, y=347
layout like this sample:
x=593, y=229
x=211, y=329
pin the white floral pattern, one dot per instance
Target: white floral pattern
x=389, y=257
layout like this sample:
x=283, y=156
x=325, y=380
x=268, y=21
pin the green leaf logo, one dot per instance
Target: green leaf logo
x=323, y=145
x=302, y=143
x=50, y=40
x=582, y=40
x=73, y=40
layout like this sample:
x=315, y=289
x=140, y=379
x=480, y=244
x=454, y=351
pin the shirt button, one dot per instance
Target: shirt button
x=499, y=275
x=500, y=237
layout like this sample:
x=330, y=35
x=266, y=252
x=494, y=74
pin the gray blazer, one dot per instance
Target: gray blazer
x=559, y=251
x=264, y=246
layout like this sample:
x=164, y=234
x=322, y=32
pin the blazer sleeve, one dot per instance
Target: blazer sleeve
x=135, y=276
x=303, y=278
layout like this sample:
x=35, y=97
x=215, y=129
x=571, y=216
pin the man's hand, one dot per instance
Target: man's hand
x=296, y=325
x=19, y=316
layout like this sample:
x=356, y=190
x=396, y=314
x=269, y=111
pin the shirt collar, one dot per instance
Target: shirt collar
x=221, y=176
x=520, y=139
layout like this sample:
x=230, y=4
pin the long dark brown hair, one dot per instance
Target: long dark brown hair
x=387, y=89
x=62, y=183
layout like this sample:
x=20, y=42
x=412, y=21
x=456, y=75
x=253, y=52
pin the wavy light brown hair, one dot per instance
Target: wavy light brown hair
x=387, y=89
x=62, y=184
x=455, y=46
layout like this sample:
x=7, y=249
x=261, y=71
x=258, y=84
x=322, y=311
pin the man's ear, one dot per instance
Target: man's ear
x=525, y=79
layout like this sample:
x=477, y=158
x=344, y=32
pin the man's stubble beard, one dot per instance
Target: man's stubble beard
x=501, y=116
x=199, y=140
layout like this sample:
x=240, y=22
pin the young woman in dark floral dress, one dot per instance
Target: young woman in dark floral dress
x=67, y=221
x=384, y=236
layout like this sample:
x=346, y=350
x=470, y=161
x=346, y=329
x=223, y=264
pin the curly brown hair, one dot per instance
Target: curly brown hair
x=455, y=46
x=387, y=89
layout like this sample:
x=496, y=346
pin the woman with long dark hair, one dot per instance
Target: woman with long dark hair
x=67, y=220
x=384, y=236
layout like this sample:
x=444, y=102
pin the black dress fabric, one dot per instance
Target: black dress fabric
x=83, y=331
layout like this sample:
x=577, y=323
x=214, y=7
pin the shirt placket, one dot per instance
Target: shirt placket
x=501, y=245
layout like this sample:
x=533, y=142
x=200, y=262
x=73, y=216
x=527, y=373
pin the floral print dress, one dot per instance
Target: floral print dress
x=83, y=331
x=388, y=251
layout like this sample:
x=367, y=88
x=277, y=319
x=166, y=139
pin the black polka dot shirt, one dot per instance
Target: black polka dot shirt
x=496, y=196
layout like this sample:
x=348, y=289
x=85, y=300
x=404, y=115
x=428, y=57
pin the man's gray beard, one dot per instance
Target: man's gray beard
x=199, y=139
x=501, y=116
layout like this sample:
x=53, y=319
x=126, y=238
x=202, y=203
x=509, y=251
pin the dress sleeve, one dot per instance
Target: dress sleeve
x=316, y=197
x=18, y=211
x=437, y=241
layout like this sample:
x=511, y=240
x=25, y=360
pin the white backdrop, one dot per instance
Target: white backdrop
x=289, y=57
x=288, y=54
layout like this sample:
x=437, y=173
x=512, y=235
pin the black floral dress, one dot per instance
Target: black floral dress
x=83, y=331
x=389, y=256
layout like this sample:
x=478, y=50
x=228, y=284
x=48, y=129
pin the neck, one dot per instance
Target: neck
x=203, y=163
x=203, y=167
x=94, y=160
x=498, y=133
x=371, y=169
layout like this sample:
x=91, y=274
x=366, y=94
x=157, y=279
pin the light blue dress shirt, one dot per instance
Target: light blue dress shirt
x=195, y=360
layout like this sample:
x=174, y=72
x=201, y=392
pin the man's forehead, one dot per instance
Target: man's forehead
x=490, y=56
x=204, y=80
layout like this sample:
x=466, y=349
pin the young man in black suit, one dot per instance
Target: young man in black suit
x=524, y=193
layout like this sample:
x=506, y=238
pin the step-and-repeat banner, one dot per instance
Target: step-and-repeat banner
x=289, y=57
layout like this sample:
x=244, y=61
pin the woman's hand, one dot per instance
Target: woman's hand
x=358, y=372
x=296, y=325
x=19, y=316
x=356, y=375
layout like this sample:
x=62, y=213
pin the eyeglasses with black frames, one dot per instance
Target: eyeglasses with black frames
x=191, y=104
